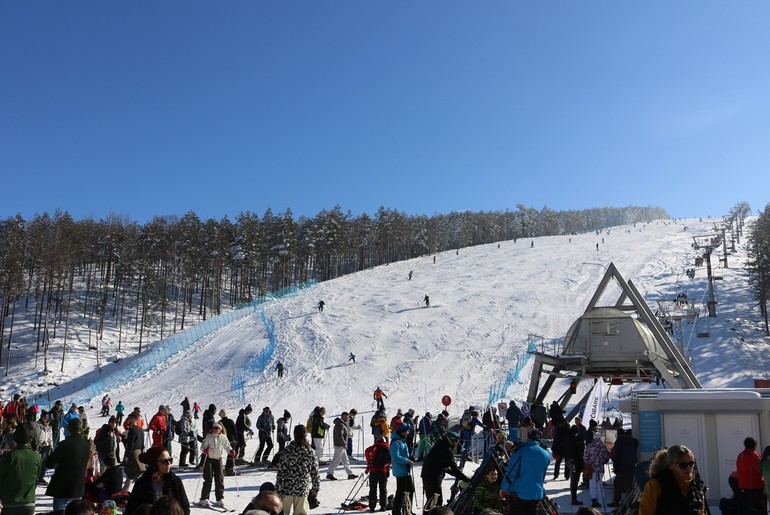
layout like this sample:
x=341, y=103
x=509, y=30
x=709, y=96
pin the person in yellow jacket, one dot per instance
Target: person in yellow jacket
x=673, y=486
x=380, y=425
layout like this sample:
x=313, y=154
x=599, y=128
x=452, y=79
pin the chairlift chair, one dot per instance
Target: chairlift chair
x=702, y=327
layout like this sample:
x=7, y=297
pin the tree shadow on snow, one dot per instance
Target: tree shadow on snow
x=338, y=365
x=416, y=309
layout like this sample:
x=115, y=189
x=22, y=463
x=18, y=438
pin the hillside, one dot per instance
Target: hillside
x=485, y=302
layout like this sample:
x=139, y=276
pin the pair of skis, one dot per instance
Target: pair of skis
x=215, y=508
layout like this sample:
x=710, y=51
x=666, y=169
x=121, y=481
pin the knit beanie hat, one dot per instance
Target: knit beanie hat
x=151, y=455
x=21, y=435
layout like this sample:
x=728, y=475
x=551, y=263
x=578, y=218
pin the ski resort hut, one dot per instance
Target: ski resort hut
x=622, y=340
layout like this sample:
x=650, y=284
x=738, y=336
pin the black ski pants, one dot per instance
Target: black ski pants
x=266, y=443
x=378, y=483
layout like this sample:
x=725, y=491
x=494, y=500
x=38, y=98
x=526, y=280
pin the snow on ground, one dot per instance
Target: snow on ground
x=484, y=303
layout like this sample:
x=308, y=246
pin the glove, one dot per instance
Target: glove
x=232, y=453
x=251, y=433
x=207, y=451
x=312, y=500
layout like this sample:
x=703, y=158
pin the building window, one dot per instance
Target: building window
x=605, y=327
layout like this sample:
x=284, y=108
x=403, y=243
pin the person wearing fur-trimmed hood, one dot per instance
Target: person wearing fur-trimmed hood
x=215, y=447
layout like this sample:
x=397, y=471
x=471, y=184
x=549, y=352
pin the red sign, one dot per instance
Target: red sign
x=446, y=400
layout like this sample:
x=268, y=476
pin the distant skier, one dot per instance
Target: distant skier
x=410, y=275
x=279, y=369
x=352, y=358
x=426, y=300
x=378, y=395
x=434, y=260
x=321, y=305
x=532, y=244
x=106, y=403
x=597, y=246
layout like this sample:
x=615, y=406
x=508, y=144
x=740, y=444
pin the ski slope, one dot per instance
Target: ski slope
x=484, y=303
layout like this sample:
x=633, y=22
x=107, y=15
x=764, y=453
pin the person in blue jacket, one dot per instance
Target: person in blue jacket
x=72, y=414
x=522, y=484
x=467, y=433
x=401, y=464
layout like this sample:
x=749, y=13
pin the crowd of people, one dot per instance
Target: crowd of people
x=129, y=461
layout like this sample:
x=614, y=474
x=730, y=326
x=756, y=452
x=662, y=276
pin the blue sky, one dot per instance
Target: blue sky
x=156, y=108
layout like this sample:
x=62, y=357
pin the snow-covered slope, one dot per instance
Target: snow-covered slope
x=484, y=303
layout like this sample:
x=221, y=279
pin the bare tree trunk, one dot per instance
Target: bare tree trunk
x=67, y=320
x=176, y=307
x=45, y=350
x=141, y=326
x=10, y=335
x=184, y=305
x=3, y=313
x=138, y=303
x=39, y=316
x=120, y=317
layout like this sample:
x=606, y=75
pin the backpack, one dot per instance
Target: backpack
x=376, y=427
x=103, y=442
x=309, y=424
x=377, y=458
x=465, y=420
x=178, y=427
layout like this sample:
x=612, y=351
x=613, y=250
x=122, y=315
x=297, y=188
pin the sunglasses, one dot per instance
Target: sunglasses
x=168, y=461
x=685, y=464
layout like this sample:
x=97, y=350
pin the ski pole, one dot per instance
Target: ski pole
x=411, y=477
x=203, y=472
x=237, y=488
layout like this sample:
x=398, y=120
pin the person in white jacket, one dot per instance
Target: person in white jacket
x=216, y=447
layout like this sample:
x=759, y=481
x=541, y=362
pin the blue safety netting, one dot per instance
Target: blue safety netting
x=499, y=390
x=112, y=376
x=256, y=365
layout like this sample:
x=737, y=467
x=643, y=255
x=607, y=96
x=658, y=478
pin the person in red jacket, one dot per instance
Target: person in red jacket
x=159, y=427
x=751, y=484
x=378, y=466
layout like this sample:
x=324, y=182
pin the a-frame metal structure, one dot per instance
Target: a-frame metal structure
x=630, y=345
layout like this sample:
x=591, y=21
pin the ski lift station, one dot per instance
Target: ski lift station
x=621, y=339
x=626, y=343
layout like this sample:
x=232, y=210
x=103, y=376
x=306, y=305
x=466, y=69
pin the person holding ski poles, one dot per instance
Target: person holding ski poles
x=402, y=470
x=216, y=447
